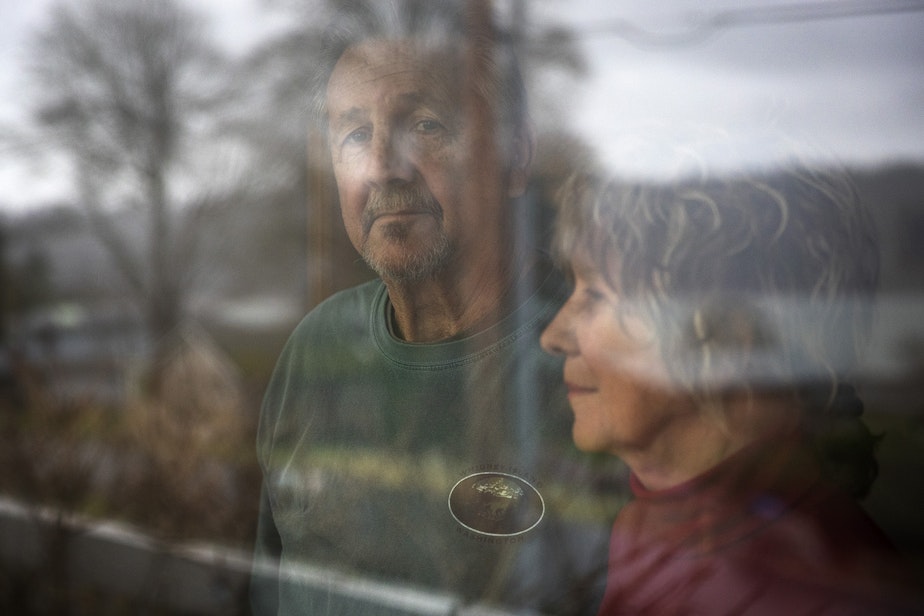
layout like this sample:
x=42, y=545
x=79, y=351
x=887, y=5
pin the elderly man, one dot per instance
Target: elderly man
x=414, y=439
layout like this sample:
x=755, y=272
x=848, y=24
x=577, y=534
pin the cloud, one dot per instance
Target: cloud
x=852, y=87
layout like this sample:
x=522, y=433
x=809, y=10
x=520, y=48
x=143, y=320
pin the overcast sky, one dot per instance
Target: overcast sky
x=851, y=87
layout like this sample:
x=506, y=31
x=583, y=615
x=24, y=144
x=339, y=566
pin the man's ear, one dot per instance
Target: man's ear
x=521, y=160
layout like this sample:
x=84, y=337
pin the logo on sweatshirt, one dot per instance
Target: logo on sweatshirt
x=496, y=504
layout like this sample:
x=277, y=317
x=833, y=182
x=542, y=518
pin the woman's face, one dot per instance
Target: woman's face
x=617, y=382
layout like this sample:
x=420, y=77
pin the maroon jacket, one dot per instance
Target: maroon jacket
x=761, y=533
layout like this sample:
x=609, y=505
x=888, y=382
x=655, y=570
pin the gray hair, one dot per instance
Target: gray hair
x=790, y=253
x=763, y=280
x=453, y=25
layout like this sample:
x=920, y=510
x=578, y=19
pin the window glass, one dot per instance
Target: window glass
x=276, y=278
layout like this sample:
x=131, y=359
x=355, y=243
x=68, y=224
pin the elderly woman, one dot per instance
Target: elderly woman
x=705, y=343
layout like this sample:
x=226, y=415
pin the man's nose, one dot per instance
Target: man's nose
x=389, y=159
x=558, y=336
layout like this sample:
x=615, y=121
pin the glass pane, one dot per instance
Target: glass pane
x=274, y=278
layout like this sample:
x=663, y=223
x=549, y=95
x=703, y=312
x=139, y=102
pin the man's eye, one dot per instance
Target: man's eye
x=360, y=135
x=427, y=126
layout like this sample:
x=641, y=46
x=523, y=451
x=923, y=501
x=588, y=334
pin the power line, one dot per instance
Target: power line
x=704, y=26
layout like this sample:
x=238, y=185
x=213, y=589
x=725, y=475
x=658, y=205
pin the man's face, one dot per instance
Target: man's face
x=414, y=196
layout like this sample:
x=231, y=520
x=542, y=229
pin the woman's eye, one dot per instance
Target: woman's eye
x=588, y=297
x=593, y=295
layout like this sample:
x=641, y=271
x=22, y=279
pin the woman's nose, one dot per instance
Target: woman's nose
x=558, y=336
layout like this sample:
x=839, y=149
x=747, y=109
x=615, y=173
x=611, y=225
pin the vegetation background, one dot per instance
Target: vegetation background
x=140, y=320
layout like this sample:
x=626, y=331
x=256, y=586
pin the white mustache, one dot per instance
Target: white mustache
x=392, y=200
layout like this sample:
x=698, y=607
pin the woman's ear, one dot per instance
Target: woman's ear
x=728, y=334
x=521, y=160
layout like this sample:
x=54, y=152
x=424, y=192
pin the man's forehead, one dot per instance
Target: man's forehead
x=408, y=50
x=390, y=58
x=413, y=73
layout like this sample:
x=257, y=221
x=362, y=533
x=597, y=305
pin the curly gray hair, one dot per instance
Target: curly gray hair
x=761, y=280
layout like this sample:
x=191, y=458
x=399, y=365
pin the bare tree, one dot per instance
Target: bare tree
x=128, y=90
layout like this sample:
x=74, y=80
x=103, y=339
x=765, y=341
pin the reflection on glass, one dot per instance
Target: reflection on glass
x=428, y=383
x=165, y=224
x=708, y=342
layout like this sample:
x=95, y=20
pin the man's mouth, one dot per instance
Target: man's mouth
x=399, y=203
x=397, y=215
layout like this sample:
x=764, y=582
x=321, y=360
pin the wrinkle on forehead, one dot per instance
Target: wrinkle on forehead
x=410, y=74
x=385, y=59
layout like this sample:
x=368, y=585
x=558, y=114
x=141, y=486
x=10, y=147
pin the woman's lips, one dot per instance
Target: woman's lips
x=577, y=390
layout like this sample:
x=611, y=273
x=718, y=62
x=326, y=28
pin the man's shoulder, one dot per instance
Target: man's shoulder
x=345, y=307
x=344, y=316
x=362, y=294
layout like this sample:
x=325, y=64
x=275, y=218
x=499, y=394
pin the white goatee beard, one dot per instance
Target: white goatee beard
x=419, y=262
